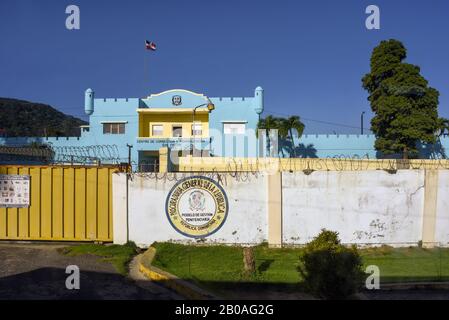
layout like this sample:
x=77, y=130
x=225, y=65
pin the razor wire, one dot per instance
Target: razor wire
x=236, y=166
x=26, y=151
x=240, y=168
x=222, y=177
x=87, y=154
x=50, y=154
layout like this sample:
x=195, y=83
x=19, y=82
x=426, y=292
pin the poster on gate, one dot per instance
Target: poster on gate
x=14, y=191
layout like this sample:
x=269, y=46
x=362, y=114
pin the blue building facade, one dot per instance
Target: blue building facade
x=191, y=123
x=184, y=121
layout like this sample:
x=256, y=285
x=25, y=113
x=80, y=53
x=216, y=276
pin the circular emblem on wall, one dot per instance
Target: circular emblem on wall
x=176, y=100
x=197, y=206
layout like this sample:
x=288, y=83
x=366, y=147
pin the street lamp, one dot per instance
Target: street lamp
x=210, y=107
x=361, y=121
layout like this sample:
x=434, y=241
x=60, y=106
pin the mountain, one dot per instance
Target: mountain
x=19, y=118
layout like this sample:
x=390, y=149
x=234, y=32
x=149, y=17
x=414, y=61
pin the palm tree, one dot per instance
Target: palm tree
x=287, y=126
x=283, y=127
x=283, y=132
x=269, y=123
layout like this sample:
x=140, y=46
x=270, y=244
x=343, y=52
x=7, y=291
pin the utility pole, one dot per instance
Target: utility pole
x=193, y=125
x=210, y=107
x=129, y=155
x=361, y=121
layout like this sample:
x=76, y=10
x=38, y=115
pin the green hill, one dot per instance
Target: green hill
x=30, y=119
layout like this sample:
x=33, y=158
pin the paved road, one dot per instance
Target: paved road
x=37, y=271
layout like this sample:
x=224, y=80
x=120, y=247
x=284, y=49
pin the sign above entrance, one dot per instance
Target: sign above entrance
x=197, y=206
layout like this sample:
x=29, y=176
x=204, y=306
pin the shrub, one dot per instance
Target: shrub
x=329, y=269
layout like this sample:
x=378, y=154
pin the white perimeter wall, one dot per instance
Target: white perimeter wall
x=364, y=207
x=246, y=221
x=442, y=217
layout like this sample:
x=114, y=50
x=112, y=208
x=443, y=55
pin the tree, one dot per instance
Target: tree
x=269, y=123
x=405, y=107
x=287, y=126
x=443, y=126
x=20, y=118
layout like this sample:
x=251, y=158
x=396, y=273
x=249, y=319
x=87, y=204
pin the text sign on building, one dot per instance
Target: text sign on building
x=197, y=206
x=14, y=191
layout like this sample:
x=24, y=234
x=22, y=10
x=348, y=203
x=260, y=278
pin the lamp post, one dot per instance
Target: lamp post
x=361, y=121
x=210, y=107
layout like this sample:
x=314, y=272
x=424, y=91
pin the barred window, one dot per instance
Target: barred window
x=113, y=128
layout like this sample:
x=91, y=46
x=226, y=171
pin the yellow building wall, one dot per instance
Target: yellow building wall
x=66, y=204
x=169, y=120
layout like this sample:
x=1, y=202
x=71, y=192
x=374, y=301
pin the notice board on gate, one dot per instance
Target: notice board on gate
x=14, y=191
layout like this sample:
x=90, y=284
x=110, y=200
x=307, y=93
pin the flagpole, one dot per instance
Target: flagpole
x=149, y=46
x=147, y=71
x=145, y=67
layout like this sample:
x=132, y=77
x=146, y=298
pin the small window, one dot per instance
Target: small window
x=234, y=128
x=157, y=130
x=177, y=131
x=113, y=128
x=197, y=129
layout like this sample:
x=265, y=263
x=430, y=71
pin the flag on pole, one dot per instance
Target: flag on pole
x=149, y=45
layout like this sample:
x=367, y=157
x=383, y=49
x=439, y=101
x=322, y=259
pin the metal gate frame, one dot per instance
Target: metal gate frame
x=67, y=203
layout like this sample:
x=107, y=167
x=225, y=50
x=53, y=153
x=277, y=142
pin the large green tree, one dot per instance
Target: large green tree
x=405, y=107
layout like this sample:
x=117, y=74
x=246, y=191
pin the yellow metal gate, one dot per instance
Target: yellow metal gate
x=66, y=204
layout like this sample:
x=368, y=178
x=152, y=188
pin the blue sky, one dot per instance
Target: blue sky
x=309, y=56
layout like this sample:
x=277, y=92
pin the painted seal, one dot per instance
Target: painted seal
x=197, y=206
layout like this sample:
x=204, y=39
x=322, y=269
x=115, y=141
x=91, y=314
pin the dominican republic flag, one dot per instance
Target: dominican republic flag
x=149, y=45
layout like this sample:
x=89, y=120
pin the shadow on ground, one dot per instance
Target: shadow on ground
x=49, y=283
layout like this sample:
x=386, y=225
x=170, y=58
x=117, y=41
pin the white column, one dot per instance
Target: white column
x=119, y=215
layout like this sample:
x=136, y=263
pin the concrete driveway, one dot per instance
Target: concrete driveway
x=37, y=271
